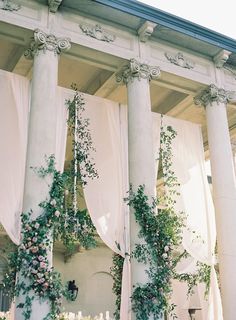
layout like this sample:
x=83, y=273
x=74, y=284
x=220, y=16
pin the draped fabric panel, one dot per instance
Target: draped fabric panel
x=104, y=196
x=14, y=108
x=195, y=200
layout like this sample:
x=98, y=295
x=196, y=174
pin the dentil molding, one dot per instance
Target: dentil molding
x=180, y=60
x=136, y=69
x=10, y=5
x=44, y=42
x=97, y=32
x=213, y=94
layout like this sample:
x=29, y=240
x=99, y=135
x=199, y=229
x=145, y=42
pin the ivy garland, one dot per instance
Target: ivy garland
x=60, y=218
x=162, y=235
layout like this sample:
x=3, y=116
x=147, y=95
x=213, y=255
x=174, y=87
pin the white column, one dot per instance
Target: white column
x=224, y=191
x=140, y=146
x=45, y=50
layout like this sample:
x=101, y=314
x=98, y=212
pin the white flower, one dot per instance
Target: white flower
x=165, y=255
x=37, y=225
x=166, y=249
x=53, y=202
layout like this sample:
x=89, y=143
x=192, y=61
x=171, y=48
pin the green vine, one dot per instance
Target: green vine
x=162, y=235
x=116, y=272
x=202, y=275
x=60, y=219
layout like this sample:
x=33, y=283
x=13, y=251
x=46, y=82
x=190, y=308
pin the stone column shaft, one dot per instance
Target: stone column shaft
x=224, y=191
x=140, y=147
x=44, y=49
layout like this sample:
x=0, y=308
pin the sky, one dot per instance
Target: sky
x=216, y=15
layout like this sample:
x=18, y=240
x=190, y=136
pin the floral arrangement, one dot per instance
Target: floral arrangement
x=60, y=219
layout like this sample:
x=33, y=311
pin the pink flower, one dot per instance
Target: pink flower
x=46, y=284
x=43, y=265
x=34, y=249
x=40, y=258
x=57, y=213
x=35, y=239
x=34, y=271
x=37, y=225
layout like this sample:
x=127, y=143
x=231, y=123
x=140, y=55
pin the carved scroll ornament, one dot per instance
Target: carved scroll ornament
x=97, y=32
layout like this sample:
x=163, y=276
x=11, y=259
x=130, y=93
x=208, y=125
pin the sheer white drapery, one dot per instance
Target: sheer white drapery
x=195, y=200
x=14, y=108
x=104, y=196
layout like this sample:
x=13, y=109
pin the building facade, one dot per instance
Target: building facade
x=167, y=65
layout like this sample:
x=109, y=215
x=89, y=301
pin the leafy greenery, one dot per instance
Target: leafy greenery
x=161, y=233
x=116, y=272
x=60, y=219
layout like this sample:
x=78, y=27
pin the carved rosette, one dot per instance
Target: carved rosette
x=212, y=94
x=44, y=42
x=137, y=70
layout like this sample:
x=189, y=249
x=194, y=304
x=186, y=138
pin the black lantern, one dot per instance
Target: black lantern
x=72, y=290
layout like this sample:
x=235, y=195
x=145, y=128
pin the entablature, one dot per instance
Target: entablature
x=108, y=45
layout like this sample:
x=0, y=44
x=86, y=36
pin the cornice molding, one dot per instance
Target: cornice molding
x=213, y=94
x=146, y=30
x=138, y=70
x=54, y=5
x=173, y=22
x=10, y=5
x=97, y=32
x=44, y=42
x=180, y=60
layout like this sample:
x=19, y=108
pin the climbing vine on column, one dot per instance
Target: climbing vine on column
x=161, y=229
x=60, y=219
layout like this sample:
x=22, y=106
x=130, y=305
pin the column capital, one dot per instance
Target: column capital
x=213, y=94
x=44, y=42
x=136, y=69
